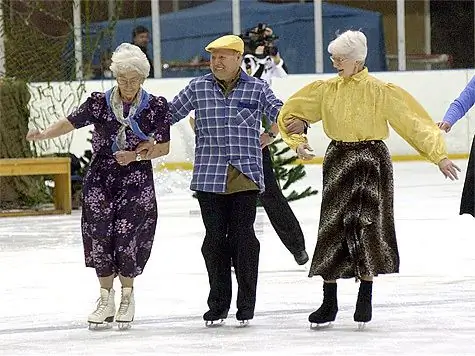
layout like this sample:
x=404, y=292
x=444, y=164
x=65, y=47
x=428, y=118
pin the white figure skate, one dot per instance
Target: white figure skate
x=126, y=312
x=104, y=313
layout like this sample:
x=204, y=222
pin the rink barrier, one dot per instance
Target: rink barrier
x=188, y=166
x=61, y=98
x=58, y=167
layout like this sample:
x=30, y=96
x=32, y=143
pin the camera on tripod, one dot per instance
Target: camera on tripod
x=262, y=35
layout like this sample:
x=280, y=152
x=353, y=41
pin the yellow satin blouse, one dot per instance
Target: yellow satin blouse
x=359, y=108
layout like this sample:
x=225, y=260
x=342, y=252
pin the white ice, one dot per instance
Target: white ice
x=428, y=308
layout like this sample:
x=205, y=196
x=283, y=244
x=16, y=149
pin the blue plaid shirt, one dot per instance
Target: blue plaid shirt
x=227, y=129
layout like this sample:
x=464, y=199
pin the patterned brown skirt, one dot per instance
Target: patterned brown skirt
x=356, y=234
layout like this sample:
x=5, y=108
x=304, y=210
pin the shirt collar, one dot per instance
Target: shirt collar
x=242, y=76
x=361, y=75
x=231, y=84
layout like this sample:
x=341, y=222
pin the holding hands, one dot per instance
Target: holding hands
x=295, y=126
x=446, y=166
x=125, y=157
x=444, y=125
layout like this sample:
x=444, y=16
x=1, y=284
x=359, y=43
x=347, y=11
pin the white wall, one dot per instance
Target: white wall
x=435, y=90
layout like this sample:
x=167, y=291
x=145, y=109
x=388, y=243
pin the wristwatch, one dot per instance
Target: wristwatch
x=271, y=134
x=138, y=157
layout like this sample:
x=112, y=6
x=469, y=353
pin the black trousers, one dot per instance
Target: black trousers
x=229, y=222
x=467, y=203
x=280, y=214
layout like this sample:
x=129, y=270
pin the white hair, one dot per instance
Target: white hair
x=350, y=44
x=128, y=57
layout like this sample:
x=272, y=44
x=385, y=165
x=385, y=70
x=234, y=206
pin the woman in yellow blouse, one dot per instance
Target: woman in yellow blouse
x=356, y=235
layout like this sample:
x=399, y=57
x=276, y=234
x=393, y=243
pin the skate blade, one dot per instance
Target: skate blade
x=321, y=326
x=106, y=324
x=99, y=326
x=124, y=325
x=243, y=323
x=361, y=325
x=214, y=323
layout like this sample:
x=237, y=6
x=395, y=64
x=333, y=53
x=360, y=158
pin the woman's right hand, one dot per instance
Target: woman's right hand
x=34, y=135
x=303, y=151
x=449, y=169
x=444, y=125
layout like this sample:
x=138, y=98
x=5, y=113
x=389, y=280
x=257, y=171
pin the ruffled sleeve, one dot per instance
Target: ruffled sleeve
x=410, y=120
x=305, y=105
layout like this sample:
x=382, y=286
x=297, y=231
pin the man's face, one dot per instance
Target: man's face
x=141, y=39
x=225, y=63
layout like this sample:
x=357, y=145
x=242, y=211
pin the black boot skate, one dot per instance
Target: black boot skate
x=243, y=316
x=363, y=312
x=326, y=314
x=215, y=318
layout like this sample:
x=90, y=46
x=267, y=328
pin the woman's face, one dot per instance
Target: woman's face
x=129, y=84
x=346, y=67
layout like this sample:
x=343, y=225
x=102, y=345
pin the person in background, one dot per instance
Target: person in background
x=265, y=62
x=141, y=38
x=356, y=236
x=457, y=109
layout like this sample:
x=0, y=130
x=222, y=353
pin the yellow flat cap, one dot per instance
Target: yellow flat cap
x=227, y=42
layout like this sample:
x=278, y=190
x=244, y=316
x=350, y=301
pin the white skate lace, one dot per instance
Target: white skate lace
x=124, y=305
x=101, y=306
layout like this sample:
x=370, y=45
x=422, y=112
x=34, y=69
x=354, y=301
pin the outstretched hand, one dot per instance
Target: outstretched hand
x=449, y=169
x=34, y=135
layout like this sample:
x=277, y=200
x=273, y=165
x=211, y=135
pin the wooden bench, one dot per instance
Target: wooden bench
x=59, y=167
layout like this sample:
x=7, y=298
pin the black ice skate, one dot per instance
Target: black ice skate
x=363, y=312
x=243, y=317
x=326, y=314
x=213, y=318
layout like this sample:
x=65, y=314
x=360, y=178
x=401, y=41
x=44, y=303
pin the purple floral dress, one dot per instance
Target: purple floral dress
x=119, y=208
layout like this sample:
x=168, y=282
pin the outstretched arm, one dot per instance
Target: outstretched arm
x=57, y=129
x=459, y=107
x=410, y=120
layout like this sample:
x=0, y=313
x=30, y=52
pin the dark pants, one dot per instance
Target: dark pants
x=229, y=222
x=278, y=210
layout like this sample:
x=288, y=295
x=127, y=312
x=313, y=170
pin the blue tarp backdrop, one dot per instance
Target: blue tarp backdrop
x=185, y=33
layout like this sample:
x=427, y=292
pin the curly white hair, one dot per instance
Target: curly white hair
x=350, y=44
x=128, y=57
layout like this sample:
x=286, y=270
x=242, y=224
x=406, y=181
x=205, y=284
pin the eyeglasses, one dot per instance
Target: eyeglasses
x=338, y=60
x=131, y=82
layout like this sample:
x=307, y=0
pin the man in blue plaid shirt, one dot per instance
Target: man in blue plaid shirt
x=227, y=173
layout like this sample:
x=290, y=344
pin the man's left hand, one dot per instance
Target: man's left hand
x=145, y=148
x=266, y=140
x=295, y=126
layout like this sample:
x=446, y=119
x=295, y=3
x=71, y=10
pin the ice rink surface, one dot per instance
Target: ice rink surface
x=426, y=309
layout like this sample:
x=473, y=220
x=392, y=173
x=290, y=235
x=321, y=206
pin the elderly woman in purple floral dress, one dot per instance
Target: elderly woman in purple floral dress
x=119, y=209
